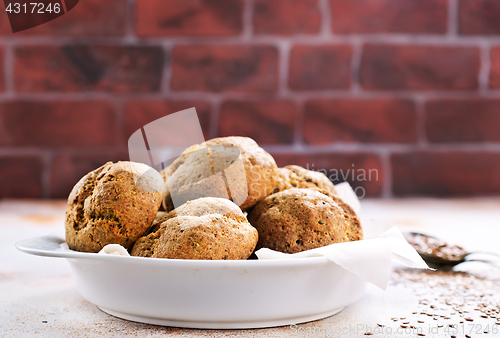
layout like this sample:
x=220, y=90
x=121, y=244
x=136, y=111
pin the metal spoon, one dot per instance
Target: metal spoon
x=440, y=253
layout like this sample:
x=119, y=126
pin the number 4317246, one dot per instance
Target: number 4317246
x=33, y=7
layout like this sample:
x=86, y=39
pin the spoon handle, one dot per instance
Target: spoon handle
x=491, y=256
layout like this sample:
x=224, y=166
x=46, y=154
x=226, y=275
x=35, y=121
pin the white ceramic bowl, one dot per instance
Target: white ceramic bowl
x=207, y=294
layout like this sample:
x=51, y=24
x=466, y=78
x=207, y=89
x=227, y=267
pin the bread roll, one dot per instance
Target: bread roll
x=296, y=220
x=114, y=204
x=207, y=228
x=214, y=169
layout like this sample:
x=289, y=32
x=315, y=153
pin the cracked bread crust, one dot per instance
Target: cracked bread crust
x=296, y=220
x=114, y=204
x=258, y=164
x=200, y=207
x=207, y=228
x=294, y=176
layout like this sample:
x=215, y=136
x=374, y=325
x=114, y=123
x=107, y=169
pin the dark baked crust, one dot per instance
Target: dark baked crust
x=354, y=231
x=295, y=220
x=207, y=228
x=114, y=204
x=191, y=168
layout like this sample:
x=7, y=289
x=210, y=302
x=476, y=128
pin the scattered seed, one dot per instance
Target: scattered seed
x=404, y=326
x=368, y=333
x=451, y=293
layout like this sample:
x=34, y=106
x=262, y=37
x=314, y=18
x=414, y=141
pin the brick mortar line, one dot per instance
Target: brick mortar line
x=357, y=55
x=279, y=149
x=452, y=29
x=215, y=117
x=421, y=132
x=298, y=135
x=385, y=158
x=383, y=153
x=326, y=19
x=130, y=28
x=212, y=124
x=33, y=151
x=167, y=69
x=9, y=71
x=284, y=50
x=485, y=68
x=378, y=147
x=247, y=16
x=410, y=39
x=289, y=94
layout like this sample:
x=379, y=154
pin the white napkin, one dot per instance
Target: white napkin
x=370, y=259
x=114, y=249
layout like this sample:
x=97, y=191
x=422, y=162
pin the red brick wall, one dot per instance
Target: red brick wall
x=407, y=91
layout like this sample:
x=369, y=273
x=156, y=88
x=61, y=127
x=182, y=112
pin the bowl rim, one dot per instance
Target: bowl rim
x=38, y=246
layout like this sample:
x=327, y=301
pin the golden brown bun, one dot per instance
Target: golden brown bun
x=206, y=228
x=294, y=176
x=191, y=175
x=114, y=204
x=295, y=220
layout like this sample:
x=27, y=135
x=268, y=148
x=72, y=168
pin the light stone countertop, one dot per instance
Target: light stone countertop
x=38, y=297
